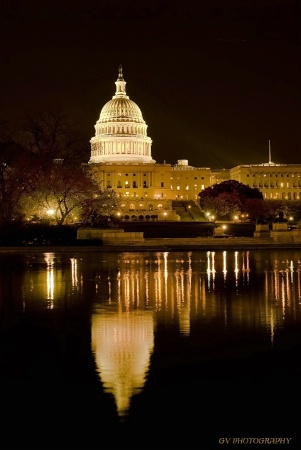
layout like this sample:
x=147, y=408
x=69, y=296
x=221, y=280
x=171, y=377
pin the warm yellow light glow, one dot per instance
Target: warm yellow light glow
x=49, y=258
x=123, y=343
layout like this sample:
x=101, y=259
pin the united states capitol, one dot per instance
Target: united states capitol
x=121, y=160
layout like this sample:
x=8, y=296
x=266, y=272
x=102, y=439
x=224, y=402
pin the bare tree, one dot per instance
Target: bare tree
x=61, y=192
x=101, y=210
x=53, y=137
x=19, y=172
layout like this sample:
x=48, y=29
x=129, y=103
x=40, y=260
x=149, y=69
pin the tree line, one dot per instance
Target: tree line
x=42, y=175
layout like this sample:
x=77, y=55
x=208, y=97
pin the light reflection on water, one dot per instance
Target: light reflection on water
x=122, y=343
x=252, y=294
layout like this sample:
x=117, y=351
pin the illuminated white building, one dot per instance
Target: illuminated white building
x=121, y=160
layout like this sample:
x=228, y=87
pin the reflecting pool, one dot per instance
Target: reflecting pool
x=154, y=350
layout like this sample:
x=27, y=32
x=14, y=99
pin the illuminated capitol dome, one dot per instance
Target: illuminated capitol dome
x=121, y=132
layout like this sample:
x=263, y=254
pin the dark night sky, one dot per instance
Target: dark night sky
x=215, y=80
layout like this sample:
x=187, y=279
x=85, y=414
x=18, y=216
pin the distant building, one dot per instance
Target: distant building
x=275, y=181
x=121, y=160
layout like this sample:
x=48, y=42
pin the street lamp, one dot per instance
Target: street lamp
x=50, y=214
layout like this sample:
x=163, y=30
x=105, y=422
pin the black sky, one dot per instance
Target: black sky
x=215, y=80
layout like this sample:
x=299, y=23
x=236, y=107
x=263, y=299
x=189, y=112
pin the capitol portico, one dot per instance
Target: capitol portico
x=121, y=160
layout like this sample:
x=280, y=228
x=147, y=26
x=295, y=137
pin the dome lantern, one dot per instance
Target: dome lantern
x=120, y=85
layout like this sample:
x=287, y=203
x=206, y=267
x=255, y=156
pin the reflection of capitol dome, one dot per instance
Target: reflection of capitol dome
x=122, y=344
x=121, y=132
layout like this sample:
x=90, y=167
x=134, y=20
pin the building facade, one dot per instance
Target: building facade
x=121, y=160
x=275, y=181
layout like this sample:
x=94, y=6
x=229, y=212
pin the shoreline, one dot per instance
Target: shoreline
x=162, y=244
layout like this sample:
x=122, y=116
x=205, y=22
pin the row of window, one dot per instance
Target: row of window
x=134, y=174
x=127, y=185
x=276, y=186
x=274, y=175
x=145, y=186
x=141, y=207
x=283, y=196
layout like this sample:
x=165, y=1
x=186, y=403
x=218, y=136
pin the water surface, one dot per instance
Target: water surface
x=159, y=350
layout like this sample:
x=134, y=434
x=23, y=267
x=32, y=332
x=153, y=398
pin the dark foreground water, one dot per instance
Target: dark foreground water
x=179, y=350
